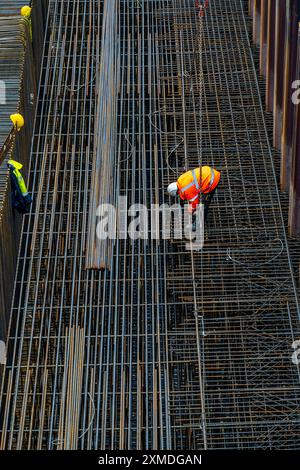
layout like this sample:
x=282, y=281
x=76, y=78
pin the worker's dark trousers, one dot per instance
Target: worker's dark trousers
x=206, y=200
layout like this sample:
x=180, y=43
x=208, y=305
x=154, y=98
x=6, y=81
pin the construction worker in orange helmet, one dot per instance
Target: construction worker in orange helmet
x=195, y=186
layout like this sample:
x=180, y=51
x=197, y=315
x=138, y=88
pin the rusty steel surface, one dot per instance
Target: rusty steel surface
x=279, y=71
x=279, y=64
x=270, y=73
x=294, y=213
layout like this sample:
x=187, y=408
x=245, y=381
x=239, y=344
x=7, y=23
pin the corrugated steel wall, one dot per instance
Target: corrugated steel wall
x=276, y=31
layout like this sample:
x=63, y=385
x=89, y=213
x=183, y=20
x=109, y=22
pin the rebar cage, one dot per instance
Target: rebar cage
x=166, y=348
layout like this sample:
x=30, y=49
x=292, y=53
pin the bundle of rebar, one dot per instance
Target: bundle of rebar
x=175, y=349
x=99, y=250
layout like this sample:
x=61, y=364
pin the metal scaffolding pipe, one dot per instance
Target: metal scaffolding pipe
x=294, y=212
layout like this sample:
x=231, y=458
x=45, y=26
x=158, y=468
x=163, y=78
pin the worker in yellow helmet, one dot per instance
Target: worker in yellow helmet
x=18, y=122
x=26, y=13
x=21, y=199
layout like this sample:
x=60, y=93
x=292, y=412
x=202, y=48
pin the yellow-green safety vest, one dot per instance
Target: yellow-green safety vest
x=16, y=167
x=21, y=182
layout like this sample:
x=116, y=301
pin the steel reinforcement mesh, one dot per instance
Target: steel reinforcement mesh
x=167, y=348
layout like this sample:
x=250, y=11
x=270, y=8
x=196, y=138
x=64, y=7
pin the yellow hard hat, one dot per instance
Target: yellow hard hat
x=15, y=164
x=17, y=120
x=26, y=11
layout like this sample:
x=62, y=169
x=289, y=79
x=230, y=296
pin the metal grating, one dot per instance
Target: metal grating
x=168, y=348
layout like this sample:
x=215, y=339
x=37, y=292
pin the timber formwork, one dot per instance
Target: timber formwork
x=168, y=348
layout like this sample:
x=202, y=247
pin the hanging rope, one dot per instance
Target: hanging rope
x=253, y=265
x=201, y=6
x=166, y=133
x=201, y=81
x=131, y=146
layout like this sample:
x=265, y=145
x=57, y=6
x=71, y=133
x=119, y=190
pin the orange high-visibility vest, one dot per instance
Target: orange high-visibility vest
x=198, y=181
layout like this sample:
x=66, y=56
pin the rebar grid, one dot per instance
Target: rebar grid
x=168, y=348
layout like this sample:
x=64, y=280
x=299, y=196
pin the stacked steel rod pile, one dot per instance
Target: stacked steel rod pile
x=99, y=252
x=17, y=90
x=167, y=348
